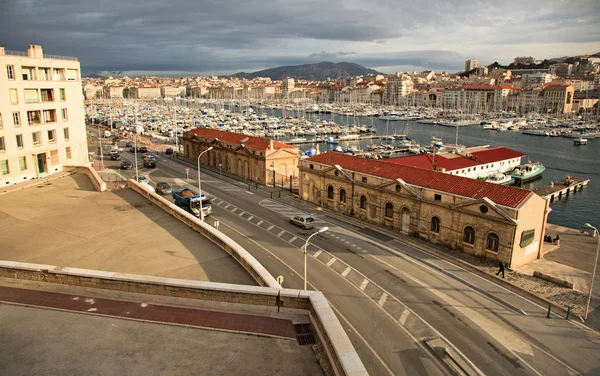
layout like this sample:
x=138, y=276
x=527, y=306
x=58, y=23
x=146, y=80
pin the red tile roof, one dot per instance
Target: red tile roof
x=500, y=194
x=457, y=162
x=251, y=142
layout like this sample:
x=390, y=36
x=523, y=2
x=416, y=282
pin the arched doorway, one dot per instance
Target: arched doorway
x=239, y=168
x=405, y=220
x=246, y=170
x=257, y=175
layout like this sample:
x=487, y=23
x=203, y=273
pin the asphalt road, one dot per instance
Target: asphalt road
x=392, y=297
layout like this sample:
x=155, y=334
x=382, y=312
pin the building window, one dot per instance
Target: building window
x=311, y=167
x=65, y=116
x=435, y=225
x=342, y=196
x=54, y=157
x=4, y=167
x=437, y=197
x=483, y=209
x=469, y=235
x=364, y=179
x=33, y=117
x=2, y=144
x=68, y=150
x=14, y=98
x=10, y=72
x=66, y=133
x=71, y=74
x=52, y=135
x=389, y=210
x=31, y=96
x=47, y=95
x=330, y=192
x=23, y=163
x=19, y=140
x=363, y=202
x=49, y=116
x=17, y=119
x=492, y=242
x=62, y=94
x=28, y=73
x=37, y=138
x=398, y=187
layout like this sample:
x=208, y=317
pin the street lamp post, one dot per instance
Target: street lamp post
x=137, y=177
x=587, y=307
x=199, y=186
x=323, y=229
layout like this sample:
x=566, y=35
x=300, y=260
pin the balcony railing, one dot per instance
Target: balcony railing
x=46, y=56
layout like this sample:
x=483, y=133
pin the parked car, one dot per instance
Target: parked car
x=169, y=151
x=304, y=221
x=143, y=149
x=115, y=156
x=126, y=165
x=142, y=179
x=163, y=188
x=129, y=144
x=150, y=163
x=132, y=149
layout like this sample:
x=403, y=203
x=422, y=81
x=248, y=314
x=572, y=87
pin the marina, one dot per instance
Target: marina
x=361, y=133
x=562, y=188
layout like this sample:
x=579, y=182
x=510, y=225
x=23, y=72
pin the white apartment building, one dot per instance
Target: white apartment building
x=470, y=65
x=529, y=79
x=42, y=119
x=287, y=86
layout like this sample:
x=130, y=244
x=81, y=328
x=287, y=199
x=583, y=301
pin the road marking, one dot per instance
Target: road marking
x=260, y=223
x=345, y=272
x=292, y=239
x=234, y=210
x=403, y=317
x=317, y=253
x=228, y=205
x=248, y=192
x=242, y=213
x=269, y=229
x=364, y=284
x=250, y=217
x=330, y=262
x=281, y=233
x=382, y=300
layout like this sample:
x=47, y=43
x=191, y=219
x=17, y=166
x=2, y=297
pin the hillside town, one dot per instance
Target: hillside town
x=562, y=88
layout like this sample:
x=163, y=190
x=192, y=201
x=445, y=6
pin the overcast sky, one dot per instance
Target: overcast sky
x=199, y=37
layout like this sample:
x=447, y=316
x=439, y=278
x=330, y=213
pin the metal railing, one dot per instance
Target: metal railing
x=45, y=56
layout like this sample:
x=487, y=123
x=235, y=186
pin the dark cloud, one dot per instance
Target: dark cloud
x=227, y=35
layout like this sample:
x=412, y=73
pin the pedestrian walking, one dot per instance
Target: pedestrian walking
x=501, y=269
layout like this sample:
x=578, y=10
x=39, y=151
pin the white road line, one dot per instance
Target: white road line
x=260, y=223
x=317, y=253
x=382, y=300
x=281, y=233
x=234, y=210
x=250, y=217
x=248, y=192
x=347, y=242
x=242, y=213
x=228, y=206
x=330, y=262
x=292, y=239
x=358, y=248
x=345, y=272
x=269, y=229
x=364, y=284
x=403, y=317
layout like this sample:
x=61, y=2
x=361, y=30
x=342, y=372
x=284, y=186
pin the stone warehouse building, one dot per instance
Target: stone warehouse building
x=482, y=219
x=252, y=158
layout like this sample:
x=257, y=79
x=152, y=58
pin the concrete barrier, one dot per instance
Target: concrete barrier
x=96, y=180
x=246, y=260
x=558, y=281
x=341, y=355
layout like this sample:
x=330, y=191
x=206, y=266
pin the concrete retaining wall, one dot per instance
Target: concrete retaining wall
x=558, y=281
x=91, y=173
x=342, y=356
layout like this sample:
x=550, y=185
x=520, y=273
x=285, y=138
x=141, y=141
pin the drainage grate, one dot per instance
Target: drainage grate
x=304, y=334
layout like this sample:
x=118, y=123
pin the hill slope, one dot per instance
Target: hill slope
x=318, y=72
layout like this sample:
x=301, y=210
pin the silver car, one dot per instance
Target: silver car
x=304, y=221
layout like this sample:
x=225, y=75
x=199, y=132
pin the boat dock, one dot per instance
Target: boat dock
x=322, y=141
x=562, y=188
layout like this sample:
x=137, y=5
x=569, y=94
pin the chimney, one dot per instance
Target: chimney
x=270, y=144
x=2, y=51
x=35, y=51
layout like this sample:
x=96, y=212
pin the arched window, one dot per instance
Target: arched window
x=492, y=242
x=469, y=235
x=389, y=210
x=363, y=202
x=330, y=192
x=435, y=225
x=342, y=196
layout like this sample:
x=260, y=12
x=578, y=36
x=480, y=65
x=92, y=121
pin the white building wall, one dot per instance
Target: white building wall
x=74, y=121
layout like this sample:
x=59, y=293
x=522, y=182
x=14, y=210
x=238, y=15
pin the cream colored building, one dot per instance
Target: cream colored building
x=483, y=219
x=42, y=119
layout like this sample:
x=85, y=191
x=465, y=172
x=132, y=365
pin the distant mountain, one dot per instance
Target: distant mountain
x=94, y=75
x=312, y=72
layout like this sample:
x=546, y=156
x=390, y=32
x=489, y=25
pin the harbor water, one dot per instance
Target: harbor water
x=558, y=154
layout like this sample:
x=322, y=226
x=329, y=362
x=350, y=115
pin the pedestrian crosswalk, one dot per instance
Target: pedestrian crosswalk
x=288, y=211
